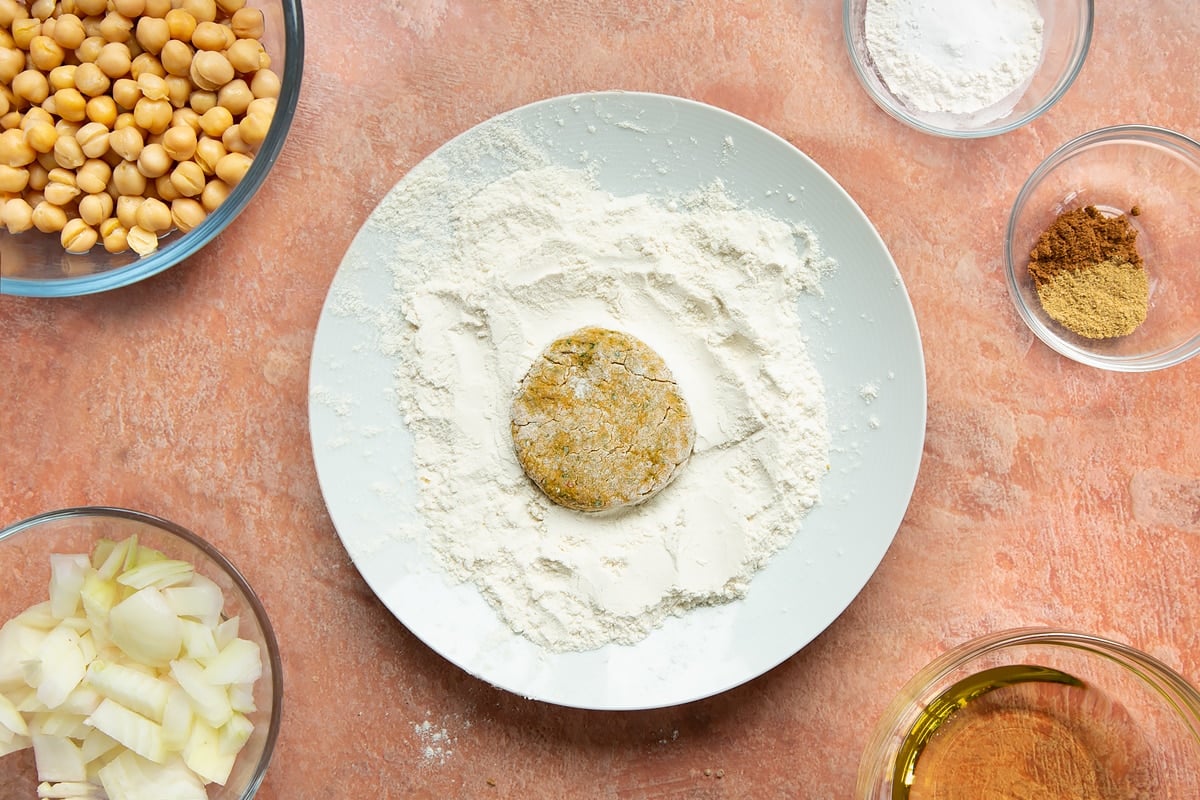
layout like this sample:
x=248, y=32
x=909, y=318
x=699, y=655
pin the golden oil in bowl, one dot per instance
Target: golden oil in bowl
x=1038, y=714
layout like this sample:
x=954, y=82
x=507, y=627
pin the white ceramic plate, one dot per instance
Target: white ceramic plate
x=863, y=340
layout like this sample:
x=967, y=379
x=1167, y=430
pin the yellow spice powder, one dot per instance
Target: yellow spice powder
x=1103, y=301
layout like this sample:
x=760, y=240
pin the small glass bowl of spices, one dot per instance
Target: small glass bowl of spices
x=967, y=69
x=1037, y=713
x=1103, y=249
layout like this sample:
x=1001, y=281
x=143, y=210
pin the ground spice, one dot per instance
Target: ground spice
x=1102, y=301
x=1089, y=275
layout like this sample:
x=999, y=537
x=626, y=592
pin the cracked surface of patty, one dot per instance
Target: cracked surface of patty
x=598, y=422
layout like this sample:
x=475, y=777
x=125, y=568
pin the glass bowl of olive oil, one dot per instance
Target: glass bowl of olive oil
x=1037, y=714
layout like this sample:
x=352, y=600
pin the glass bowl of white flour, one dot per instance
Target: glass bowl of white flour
x=967, y=68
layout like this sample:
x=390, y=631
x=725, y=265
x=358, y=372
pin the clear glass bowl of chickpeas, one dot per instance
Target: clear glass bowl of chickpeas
x=132, y=132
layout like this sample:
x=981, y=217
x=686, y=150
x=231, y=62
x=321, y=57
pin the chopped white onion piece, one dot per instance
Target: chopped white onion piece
x=145, y=628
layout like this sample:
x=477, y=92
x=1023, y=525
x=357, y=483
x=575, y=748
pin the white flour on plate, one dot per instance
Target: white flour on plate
x=491, y=272
x=955, y=56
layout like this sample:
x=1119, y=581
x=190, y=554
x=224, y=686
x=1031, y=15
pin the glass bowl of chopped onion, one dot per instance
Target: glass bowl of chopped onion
x=135, y=662
x=967, y=70
x=1102, y=249
x=133, y=132
x=1037, y=713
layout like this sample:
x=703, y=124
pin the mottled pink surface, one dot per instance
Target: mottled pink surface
x=1050, y=493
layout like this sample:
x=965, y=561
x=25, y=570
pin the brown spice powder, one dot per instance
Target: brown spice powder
x=1080, y=239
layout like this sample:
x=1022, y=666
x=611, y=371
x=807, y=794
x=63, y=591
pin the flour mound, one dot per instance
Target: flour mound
x=711, y=286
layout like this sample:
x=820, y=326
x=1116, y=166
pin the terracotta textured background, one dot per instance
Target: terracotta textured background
x=1050, y=493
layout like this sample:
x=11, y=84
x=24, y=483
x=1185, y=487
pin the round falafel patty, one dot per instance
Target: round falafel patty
x=598, y=422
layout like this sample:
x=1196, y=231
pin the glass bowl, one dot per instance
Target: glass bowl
x=1066, y=36
x=25, y=549
x=1115, y=170
x=35, y=264
x=1037, y=713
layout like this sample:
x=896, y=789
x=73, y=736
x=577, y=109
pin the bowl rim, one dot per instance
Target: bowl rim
x=209, y=550
x=177, y=248
x=875, y=763
x=893, y=108
x=1177, y=354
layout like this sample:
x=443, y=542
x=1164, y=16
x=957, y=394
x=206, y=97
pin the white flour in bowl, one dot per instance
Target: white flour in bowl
x=486, y=279
x=955, y=56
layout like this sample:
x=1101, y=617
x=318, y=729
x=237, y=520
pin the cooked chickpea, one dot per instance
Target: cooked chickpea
x=41, y=136
x=215, y=121
x=233, y=141
x=164, y=190
x=128, y=180
x=153, y=86
x=187, y=213
x=24, y=30
x=42, y=9
x=15, y=179
x=157, y=8
x=188, y=179
x=208, y=153
x=14, y=150
x=230, y=6
x=202, y=10
x=61, y=194
x=5, y=103
x=254, y=128
x=211, y=70
x=12, y=61
x=146, y=63
x=129, y=8
x=45, y=53
x=115, y=240
x=179, y=90
x=68, y=31
x=125, y=93
x=102, y=109
x=142, y=241
x=209, y=36
x=153, y=116
x=94, y=176
x=18, y=215
x=176, y=58
x=90, y=8
x=233, y=167
x=181, y=24
x=202, y=101
x=10, y=120
x=31, y=85
x=179, y=142
x=153, y=161
x=247, y=55
x=95, y=208
x=91, y=80
x=116, y=27
x=247, y=23
x=70, y=105
x=235, y=96
x=48, y=217
x=39, y=176
x=127, y=142
x=67, y=152
x=89, y=50
x=93, y=139
x=62, y=77
x=265, y=83
x=115, y=60
x=215, y=192
x=78, y=236
x=187, y=117
x=152, y=33
x=127, y=208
